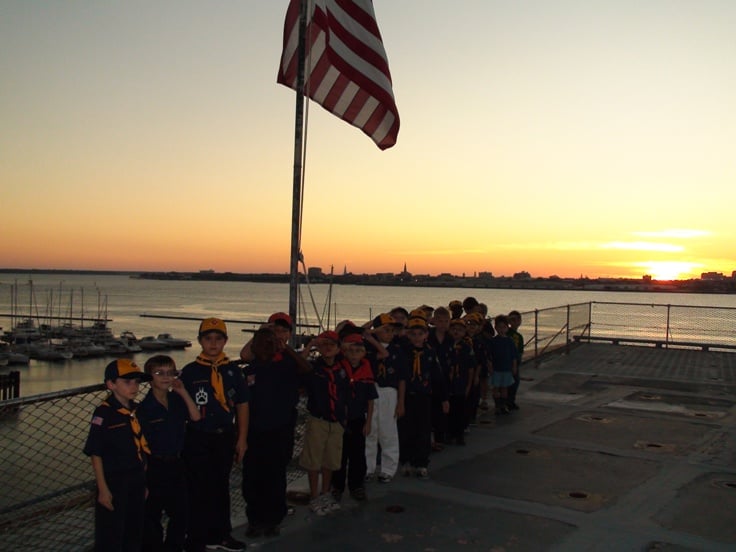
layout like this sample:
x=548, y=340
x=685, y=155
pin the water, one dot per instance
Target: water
x=127, y=299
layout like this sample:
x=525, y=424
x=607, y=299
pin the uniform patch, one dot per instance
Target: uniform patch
x=97, y=420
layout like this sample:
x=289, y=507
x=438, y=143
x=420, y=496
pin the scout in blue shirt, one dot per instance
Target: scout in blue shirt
x=415, y=427
x=211, y=444
x=503, y=364
x=273, y=379
x=327, y=389
x=164, y=414
x=360, y=415
x=118, y=451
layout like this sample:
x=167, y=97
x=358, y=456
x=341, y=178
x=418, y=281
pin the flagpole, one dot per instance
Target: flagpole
x=296, y=206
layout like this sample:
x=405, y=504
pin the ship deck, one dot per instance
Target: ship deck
x=614, y=448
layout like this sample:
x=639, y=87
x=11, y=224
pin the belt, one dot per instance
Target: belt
x=216, y=431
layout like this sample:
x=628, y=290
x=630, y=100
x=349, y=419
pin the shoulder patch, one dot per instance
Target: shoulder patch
x=97, y=420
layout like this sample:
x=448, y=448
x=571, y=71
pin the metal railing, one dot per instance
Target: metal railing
x=48, y=489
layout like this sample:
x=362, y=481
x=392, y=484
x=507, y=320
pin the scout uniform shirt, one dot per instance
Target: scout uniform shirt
x=116, y=437
x=216, y=388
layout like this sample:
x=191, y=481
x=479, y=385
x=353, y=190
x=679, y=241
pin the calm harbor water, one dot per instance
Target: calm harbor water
x=126, y=299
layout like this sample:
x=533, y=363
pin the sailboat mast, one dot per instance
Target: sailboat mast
x=296, y=208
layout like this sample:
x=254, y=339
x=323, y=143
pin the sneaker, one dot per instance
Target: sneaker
x=384, y=478
x=229, y=544
x=329, y=503
x=407, y=470
x=358, y=494
x=422, y=473
x=317, y=506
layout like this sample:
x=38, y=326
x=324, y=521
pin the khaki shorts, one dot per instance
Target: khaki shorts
x=322, y=445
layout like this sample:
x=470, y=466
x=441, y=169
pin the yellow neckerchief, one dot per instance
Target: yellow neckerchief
x=417, y=364
x=139, y=439
x=216, y=377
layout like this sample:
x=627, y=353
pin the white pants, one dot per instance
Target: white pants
x=383, y=431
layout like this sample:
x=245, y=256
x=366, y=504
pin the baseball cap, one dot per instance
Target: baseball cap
x=329, y=334
x=212, y=325
x=416, y=322
x=353, y=338
x=383, y=320
x=282, y=319
x=474, y=318
x=126, y=369
x=457, y=322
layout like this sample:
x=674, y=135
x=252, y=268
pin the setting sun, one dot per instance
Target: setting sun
x=669, y=270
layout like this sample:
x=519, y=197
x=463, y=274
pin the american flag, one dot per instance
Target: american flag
x=346, y=69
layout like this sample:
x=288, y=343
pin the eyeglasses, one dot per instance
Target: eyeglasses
x=165, y=373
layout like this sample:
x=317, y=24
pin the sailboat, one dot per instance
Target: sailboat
x=333, y=53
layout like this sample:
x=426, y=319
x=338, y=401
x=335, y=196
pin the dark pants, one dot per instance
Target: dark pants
x=515, y=387
x=353, y=458
x=415, y=431
x=208, y=458
x=439, y=420
x=264, y=475
x=457, y=419
x=167, y=492
x=472, y=403
x=121, y=530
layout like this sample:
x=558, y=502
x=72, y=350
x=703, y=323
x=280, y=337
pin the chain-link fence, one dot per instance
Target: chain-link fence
x=48, y=489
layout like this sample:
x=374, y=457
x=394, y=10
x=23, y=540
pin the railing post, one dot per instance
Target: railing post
x=567, y=331
x=536, y=333
x=667, y=329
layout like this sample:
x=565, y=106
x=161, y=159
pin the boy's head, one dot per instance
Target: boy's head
x=347, y=327
x=417, y=331
x=161, y=369
x=501, y=323
x=441, y=318
x=265, y=344
x=281, y=324
x=473, y=323
x=470, y=304
x=385, y=327
x=327, y=344
x=514, y=319
x=353, y=348
x=123, y=378
x=212, y=336
x=456, y=308
x=457, y=328
x=400, y=316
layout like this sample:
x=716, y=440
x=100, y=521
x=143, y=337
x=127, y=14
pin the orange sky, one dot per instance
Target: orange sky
x=561, y=139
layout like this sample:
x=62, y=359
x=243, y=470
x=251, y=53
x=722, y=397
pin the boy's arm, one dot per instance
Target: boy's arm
x=178, y=387
x=369, y=417
x=381, y=351
x=302, y=364
x=243, y=416
x=245, y=353
x=104, y=496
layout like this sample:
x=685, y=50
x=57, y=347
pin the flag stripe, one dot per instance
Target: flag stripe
x=346, y=69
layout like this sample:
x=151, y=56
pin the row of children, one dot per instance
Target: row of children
x=372, y=386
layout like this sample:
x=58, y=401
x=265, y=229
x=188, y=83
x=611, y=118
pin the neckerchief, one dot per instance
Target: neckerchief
x=416, y=366
x=216, y=377
x=139, y=439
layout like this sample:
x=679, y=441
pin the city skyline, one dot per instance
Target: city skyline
x=568, y=139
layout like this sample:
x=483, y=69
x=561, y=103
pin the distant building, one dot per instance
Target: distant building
x=647, y=278
x=712, y=276
x=315, y=272
x=485, y=275
x=523, y=275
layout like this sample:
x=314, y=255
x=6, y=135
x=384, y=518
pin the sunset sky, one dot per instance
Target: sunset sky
x=559, y=137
